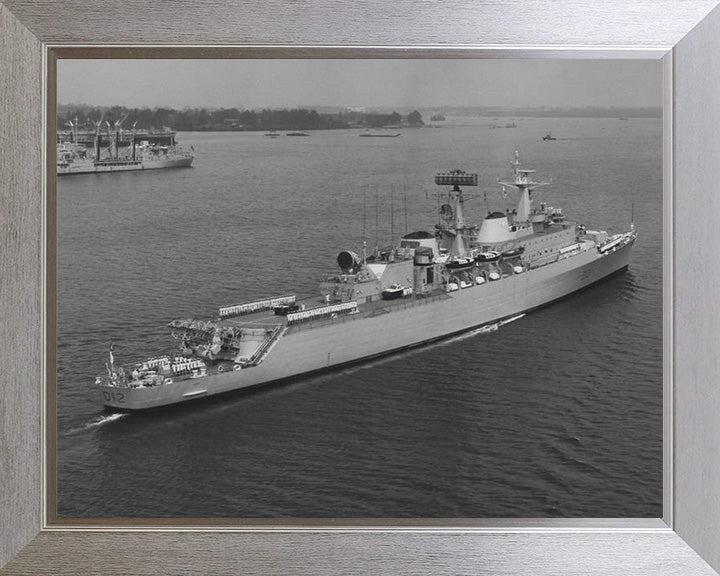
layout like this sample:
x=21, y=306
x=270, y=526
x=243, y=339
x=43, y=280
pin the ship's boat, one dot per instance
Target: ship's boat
x=427, y=286
x=489, y=256
x=395, y=291
x=514, y=253
x=460, y=263
x=549, y=136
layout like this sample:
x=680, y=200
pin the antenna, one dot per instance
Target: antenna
x=364, y=212
x=405, y=206
x=364, y=225
x=377, y=216
x=392, y=214
x=516, y=163
x=437, y=207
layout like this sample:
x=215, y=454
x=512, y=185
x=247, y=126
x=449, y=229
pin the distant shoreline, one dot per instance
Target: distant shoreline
x=308, y=119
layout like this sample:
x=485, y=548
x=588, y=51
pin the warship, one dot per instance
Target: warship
x=429, y=286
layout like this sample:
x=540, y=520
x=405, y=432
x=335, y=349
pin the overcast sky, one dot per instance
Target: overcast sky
x=355, y=83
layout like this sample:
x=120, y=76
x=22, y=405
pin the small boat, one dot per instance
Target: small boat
x=514, y=253
x=272, y=134
x=297, y=134
x=490, y=256
x=395, y=291
x=460, y=263
x=368, y=134
x=549, y=136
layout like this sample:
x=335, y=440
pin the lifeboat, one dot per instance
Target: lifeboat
x=460, y=263
x=393, y=292
x=514, y=253
x=487, y=256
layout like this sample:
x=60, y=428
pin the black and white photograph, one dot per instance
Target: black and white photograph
x=359, y=288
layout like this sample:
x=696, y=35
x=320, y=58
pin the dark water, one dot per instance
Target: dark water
x=556, y=414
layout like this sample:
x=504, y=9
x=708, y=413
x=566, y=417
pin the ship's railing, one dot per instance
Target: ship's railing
x=321, y=312
x=186, y=367
x=255, y=306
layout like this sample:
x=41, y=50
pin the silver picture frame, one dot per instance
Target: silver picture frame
x=681, y=33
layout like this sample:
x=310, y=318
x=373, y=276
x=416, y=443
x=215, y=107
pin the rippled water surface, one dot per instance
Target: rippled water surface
x=558, y=413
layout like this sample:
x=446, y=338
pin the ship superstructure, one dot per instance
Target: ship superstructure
x=428, y=286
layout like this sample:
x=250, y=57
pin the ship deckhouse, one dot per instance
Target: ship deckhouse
x=421, y=241
x=524, y=220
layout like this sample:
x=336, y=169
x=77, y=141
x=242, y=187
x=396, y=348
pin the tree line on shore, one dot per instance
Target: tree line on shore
x=228, y=119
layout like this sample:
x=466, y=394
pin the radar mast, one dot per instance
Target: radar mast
x=524, y=183
x=453, y=232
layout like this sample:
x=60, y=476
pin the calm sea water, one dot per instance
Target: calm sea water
x=556, y=414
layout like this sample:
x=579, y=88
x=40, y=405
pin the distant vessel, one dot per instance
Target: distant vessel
x=272, y=134
x=141, y=155
x=368, y=134
x=297, y=134
x=549, y=136
x=428, y=286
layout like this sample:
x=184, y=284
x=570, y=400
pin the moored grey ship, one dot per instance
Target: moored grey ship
x=141, y=154
x=427, y=287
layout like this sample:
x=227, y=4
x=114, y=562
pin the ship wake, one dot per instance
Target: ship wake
x=96, y=422
x=481, y=330
x=444, y=342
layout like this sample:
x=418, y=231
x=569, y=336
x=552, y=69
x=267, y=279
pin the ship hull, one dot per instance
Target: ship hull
x=331, y=343
x=130, y=166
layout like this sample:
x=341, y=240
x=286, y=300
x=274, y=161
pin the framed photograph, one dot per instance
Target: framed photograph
x=188, y=213
x=334, y=261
